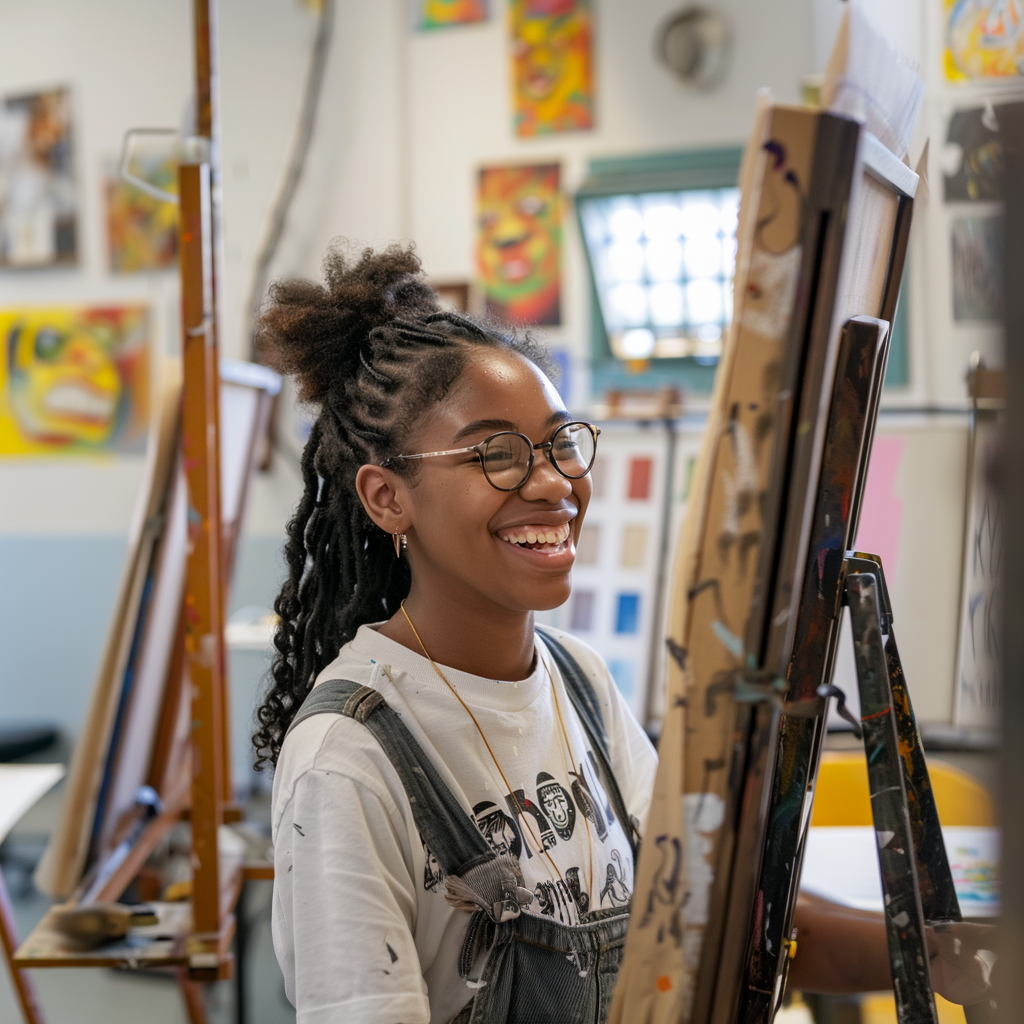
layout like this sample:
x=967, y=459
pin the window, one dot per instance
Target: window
x=659, y=232
x=663, y=266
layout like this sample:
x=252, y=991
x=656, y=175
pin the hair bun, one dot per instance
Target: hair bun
x=314, y=332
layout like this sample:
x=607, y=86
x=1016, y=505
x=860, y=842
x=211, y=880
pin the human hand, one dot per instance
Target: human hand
x=961, y=960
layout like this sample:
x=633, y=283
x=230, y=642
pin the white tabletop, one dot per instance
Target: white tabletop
x=841, y=864
x=21, y=785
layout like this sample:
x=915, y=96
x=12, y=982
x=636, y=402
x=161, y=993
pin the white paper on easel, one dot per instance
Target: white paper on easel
x=21, y=785
x=872, y=82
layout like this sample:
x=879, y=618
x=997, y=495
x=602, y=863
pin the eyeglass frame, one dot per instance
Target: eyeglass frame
x=477, y=450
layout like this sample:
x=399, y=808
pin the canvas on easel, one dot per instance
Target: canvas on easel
x=824, y=217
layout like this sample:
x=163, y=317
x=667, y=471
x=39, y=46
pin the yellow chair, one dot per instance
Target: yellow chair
x=842, y=798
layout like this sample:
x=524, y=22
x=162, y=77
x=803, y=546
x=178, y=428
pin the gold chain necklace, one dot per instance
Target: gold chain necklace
x=524, y=817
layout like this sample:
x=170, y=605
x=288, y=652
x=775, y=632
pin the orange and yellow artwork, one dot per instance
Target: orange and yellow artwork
x=73, y=380
x=984, y=39
x=552, y=66
x=142, y=231
x=519, y=242
x=442, y=13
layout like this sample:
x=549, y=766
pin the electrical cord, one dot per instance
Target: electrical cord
x=296, y=166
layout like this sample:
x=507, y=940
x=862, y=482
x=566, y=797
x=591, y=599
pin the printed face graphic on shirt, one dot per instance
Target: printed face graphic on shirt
x=557, y=804
x=433, y=873
x=498, y=829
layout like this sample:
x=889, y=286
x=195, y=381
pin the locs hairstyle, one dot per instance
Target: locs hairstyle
x=371, y=350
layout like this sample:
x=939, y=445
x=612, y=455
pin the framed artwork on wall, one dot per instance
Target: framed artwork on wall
x=73, y=380
x=519, y=242
x=38, y=211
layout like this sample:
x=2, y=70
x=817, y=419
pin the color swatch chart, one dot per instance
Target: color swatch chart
x=615, y=580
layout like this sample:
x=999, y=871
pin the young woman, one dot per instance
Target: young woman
x=456, y=805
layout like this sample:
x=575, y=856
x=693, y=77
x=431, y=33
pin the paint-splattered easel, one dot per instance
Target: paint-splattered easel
x=193, y=939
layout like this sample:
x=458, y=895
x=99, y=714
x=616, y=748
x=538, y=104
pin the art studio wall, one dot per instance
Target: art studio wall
x=406, y=120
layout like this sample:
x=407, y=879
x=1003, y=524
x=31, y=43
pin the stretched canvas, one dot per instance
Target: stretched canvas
x=142, y=231
x=37, y=189
x=984, y=39
x=519, y=242
x=552, y=65
x=73, y=380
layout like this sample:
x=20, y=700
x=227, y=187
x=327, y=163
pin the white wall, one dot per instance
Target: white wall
x=405, y=121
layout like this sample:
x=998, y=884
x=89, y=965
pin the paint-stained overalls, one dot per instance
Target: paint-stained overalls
x=537, y=970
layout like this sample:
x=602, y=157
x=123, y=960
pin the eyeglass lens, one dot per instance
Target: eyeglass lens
x=506, y=457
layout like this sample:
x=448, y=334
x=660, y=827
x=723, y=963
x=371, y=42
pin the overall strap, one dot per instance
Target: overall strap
x=447, y=829
x=585, y=701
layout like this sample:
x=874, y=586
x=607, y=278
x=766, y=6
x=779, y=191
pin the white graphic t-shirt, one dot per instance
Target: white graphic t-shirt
x=361, y=927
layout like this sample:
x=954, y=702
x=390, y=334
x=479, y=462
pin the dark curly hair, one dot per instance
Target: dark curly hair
x=371, y=350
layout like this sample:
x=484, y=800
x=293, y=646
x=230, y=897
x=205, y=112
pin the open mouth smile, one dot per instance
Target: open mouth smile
x=545, y=539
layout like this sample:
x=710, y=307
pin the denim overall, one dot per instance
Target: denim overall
x=537, y=971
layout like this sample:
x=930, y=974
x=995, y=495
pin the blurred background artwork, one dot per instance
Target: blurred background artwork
x=977, y=268
x=984, y=39
x=37, y=189
x=974, y=133
x=552, y=65
x=73, y=380
x=429, y=14
x=519, y=242
x=142, y=231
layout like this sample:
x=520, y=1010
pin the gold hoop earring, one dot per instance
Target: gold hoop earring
x=400, y=543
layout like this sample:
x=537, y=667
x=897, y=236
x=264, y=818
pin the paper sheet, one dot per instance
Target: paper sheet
x=21, y=785
x=841, y=864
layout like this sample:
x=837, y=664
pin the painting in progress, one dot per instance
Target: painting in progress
x=73, y=380
x=430, y=14
x=38, y=220
x=984, y=39
x=142, y=231
x=519, y=242
x=552, y=66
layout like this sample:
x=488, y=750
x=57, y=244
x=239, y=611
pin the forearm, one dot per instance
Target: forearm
x=844, y=950
x=838, y=949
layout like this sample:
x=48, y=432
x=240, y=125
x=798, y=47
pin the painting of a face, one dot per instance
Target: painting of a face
x=73, y=380
x=552, y=66
x=519, y=242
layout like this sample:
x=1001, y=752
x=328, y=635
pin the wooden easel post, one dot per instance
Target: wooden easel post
x=205, y=660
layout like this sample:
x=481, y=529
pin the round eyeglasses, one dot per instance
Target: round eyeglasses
x=507, y=457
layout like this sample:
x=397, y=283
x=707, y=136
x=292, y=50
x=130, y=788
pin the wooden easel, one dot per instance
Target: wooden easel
x=191, y=767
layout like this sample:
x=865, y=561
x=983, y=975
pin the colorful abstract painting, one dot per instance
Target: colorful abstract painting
x=142, y=231
x=519, y=242
x=431, y=14
x=73, y=380
x=984, y=39
x=552, y=66
x=38, y=222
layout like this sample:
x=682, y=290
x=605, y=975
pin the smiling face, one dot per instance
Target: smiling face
x=469, y=544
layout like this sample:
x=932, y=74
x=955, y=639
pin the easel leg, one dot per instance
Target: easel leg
x=904, y=917
x=192, y=994
x=23, y=987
